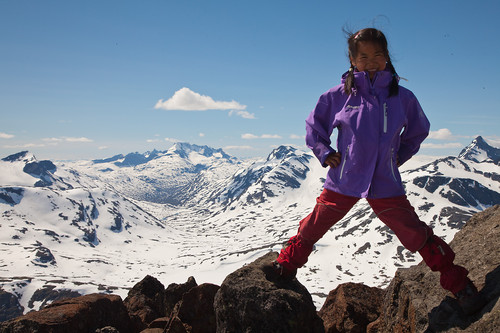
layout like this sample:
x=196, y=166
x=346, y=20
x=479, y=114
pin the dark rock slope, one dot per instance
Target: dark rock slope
x=247, y=302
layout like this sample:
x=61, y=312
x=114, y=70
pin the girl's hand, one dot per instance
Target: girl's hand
x=333, y=160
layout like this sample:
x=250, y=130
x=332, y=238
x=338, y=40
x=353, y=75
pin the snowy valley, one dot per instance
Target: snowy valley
x=102, y=225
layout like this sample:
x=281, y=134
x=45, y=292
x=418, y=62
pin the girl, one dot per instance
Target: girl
x=380, y=126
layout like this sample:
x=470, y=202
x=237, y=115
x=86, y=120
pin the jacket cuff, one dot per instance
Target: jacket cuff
x=325, y=155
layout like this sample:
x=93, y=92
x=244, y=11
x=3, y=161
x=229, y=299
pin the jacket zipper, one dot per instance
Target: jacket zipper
x=343, y=163
x=385, y=117
x=392, y=165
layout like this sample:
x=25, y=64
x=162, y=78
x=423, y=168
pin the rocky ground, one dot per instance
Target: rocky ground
x=247, y=302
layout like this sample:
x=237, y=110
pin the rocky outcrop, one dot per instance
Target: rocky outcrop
x=351, y=307
x=10, y=306
x=145, y=302
x=415, y=302
x=247, y=302
x=81, y=314
x=195, y=311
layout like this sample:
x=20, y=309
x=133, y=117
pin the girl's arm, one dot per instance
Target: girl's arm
x=416, y=130
x=319, y=127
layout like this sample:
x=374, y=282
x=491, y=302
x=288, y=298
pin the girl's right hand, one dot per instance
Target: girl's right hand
x=333, y=160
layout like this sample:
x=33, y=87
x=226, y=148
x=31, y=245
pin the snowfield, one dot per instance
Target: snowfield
x=102, y=226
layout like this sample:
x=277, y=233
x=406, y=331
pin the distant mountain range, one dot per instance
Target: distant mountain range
x=191, y=210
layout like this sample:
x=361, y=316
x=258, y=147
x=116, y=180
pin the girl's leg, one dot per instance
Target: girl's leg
x=398, y=214
x=330, y=208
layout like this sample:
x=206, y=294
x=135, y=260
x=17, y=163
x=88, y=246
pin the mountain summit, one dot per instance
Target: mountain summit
x=479, y=151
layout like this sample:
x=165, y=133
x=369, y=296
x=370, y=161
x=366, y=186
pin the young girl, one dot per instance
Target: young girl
x=380, y=126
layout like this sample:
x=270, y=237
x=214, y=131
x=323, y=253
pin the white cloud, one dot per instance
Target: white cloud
x=243, y=114
x=295, y=136
x=249, y=136
x=441, y=134
x=24, y=146
x=185, y=99
x=81, y=139
x=493, y=141
x=6, y=136
x=67, y=139
x=442, y=145
x=201, y=135
x=171, y=140
x=238, y=148
x=52, y=140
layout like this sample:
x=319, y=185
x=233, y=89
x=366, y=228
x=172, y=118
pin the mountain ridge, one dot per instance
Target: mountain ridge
x=168, y=216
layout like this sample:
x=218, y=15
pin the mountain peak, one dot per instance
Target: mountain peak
x=281, y=152
x=183, y=149
x=479, y=150
x=23, y=156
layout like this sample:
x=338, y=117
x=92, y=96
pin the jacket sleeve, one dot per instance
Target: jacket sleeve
x=319, y=127
x=415, y=132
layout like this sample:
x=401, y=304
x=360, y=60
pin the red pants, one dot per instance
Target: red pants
x=397, y=213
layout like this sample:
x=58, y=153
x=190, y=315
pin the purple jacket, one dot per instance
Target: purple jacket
x=375, y=132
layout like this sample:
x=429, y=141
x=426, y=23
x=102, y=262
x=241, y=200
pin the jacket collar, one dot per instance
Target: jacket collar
x=380, y=83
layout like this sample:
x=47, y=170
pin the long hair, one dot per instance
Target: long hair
x=375, y=36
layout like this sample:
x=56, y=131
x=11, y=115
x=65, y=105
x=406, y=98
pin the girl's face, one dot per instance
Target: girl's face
x=370, y=58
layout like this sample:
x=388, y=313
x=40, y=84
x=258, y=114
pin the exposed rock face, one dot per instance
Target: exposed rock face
x=247, y=302
x=415, y=302
x=174, y=293
x=10, y=306
x=145, y=302
x=351, y=307
x=81, y=314
x=195, y=311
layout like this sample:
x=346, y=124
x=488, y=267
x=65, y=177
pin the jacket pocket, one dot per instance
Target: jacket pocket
x=393, y=163
x=346, y=154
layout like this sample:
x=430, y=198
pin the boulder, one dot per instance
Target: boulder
x=415, y=301
x=174, y=293
x=195, y=311
x=80, y=314
x=248, y=302
x=145, y=302
x=351, y=307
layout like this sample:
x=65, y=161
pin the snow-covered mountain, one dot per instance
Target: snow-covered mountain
x=102, y=225
x=479, y=151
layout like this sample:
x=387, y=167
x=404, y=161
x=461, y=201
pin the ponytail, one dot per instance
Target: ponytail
x=394, y=86
x=349, y=81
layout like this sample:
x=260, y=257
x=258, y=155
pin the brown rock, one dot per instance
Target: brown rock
x=351, y=307
x=174, y=293
x=248, y=302
x=159, y=323
x=196, y=309
x=145, y=302
x=415, y=301
x=81, y=314
x=176, y=326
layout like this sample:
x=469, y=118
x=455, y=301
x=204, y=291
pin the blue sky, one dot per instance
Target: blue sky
x=91, y=79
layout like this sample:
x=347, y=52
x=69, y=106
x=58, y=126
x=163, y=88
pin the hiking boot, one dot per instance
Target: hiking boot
x=470, y=300
x=275, y=272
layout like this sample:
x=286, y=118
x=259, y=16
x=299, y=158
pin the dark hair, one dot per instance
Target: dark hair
x=375, y=36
